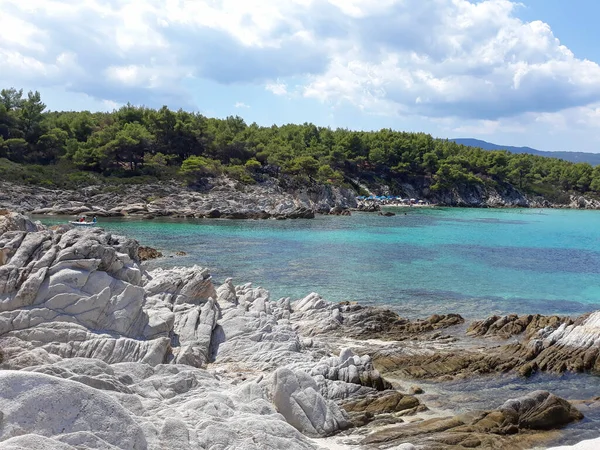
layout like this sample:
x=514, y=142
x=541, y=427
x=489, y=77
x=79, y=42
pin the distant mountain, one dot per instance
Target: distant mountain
x=592, y=158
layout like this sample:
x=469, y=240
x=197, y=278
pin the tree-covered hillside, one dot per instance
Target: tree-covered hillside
x=75, y=148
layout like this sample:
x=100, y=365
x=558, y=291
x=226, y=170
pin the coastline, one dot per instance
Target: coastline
x=228, y=199
x=359, y=367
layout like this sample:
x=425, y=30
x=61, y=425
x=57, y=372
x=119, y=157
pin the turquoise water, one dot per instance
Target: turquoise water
x=471, y=261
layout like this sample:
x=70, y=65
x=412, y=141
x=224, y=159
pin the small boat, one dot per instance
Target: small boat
x=83, y=224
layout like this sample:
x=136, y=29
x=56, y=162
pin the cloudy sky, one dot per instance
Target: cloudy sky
x=512, y=73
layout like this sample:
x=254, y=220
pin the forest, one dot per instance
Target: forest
x=139, y=144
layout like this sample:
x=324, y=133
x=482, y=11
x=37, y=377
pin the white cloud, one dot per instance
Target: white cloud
x=110, y=105
x=474, y=61
x=277, y=88
x=241, y=105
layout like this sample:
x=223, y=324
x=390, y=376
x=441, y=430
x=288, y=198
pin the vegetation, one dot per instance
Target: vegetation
x=137, y=144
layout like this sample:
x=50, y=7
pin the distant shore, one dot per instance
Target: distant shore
x=227, y=199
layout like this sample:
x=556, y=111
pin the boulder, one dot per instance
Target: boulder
x=539, y=410
x=518, y=423
x=296, y=396
x=63, y=407
x=147, y=253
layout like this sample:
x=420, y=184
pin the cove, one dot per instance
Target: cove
x=422, y=261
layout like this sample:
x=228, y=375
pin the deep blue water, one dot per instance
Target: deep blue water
x=471, y=261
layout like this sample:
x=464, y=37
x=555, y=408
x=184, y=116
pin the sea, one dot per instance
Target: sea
x=421, y=261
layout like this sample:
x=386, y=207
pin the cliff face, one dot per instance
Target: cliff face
x=479, y=196
x=216, y=198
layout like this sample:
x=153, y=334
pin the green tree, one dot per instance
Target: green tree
x=51, y=146
x=519, y=168
x=130, y=145
x=304, y=165
x=198, y=166
x=31, y=117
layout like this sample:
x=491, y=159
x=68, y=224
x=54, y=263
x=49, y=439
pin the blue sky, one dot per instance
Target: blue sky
x=511, y=73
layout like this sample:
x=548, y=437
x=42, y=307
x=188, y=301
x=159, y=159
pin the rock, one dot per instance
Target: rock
x=10, y=221
x=539, y=410
x=513, y=425
x=339, y=211
x=296, y=396
x=415, y=390
x=350, y=368
x=214, y=199
x=386, y=402
x=550, y=344
x=214, y=214
x=180, y=253
x=512, y=325
x=146, y=253
x=63, y=408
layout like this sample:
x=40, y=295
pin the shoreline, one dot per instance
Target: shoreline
x=224, y=198
x=237, y=343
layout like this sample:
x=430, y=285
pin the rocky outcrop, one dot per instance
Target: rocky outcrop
x=518, y=423
x=147, y=253
x=382, y=408
x=119, y=357
x=360, y=322
x=500, y=195
x=296, y=396
x=513, y=325
x=219, y=198
x=549, y=344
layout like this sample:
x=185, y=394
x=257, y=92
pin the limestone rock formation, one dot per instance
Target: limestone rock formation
x=296, y=396
x=146, y=253
x=118, y=357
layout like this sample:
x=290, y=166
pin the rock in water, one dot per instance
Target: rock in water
x=507, y=427
x=540, y=410
x=146, y=253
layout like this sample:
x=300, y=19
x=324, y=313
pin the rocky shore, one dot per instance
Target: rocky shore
x=97, y=352
x=216, y=198
x=478, y=197
x=228, y=199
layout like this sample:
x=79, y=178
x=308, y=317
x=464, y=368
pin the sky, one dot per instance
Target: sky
x=513, y=73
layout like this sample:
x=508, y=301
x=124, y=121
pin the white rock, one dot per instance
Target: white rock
x=296, y=396
x=63, y=407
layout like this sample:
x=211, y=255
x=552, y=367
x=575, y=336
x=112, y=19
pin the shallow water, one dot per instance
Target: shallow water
x=471, y=261
x=490, y=392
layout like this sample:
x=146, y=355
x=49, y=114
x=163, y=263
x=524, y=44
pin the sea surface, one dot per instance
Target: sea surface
x=421, y=261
